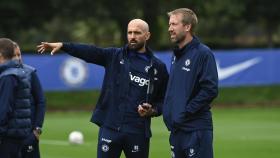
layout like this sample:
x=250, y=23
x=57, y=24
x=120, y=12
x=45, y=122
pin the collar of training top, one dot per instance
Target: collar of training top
x=149, y=52
x=179, y=52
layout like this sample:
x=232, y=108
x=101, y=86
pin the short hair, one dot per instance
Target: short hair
x=7, y=48
x=16, y=44
x=189, y=17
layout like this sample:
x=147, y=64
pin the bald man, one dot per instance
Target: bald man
x=132, y=92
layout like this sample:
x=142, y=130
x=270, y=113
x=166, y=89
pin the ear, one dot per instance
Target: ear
x=147, y=36
x=188, y=28
x=1, y=59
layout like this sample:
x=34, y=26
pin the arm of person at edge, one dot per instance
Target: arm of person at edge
x=7, y=86
x=146, y=109
x=40, y=104
x=89, y=53
x=208, y=83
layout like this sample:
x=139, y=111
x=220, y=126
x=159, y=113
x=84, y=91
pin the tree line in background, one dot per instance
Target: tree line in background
x=222, y=23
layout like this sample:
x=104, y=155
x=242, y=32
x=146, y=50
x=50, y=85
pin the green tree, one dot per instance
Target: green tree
x=220, y=22
x=265, y=13
x=17, y=15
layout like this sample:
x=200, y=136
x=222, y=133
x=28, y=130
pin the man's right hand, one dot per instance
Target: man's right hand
x=54, y=47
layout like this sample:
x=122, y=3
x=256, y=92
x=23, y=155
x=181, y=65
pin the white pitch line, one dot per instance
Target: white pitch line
x=62, y=143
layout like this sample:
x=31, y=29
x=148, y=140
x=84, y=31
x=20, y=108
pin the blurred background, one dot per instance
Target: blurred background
x=243, y=34
x=222, y=23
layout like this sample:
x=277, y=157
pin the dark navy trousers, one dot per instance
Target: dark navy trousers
x=111, y=143
x=10, y=148
x=196, y=144
x=30, y=147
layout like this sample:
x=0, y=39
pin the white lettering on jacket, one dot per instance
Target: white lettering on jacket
x=140, y=81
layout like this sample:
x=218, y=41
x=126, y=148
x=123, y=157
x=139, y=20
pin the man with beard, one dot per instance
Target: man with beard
x=192, y=86
x=132, y=92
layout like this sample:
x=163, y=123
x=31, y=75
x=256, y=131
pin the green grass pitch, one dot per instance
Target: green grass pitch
x=238, y=133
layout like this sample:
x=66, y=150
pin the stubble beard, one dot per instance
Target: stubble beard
x=136, y=46
x=180, y=37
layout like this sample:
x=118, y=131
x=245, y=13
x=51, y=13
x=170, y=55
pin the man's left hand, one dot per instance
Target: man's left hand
x=145, y=110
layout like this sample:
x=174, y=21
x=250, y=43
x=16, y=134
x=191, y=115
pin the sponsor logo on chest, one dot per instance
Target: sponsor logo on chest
x=139, y=80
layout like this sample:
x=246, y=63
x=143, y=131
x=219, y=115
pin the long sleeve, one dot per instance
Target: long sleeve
x=39, y=100
x=161, y=92
x=208, y=85
x=90, y=53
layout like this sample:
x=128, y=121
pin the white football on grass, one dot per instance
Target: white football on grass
x=76, y=137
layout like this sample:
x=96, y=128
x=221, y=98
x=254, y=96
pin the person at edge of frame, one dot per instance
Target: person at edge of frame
x=15, y=92
x=38, y=105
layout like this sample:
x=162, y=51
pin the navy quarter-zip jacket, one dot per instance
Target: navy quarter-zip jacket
x=111, y=108
x=192, y=86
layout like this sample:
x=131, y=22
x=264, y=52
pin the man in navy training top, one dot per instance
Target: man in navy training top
x=15, y=112
x=192, y=86
x=132, y=92
x=31, y=144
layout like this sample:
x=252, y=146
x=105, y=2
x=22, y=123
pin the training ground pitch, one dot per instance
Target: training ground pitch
x=238, y=133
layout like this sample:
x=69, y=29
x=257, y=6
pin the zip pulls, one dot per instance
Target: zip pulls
x=150, y=89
